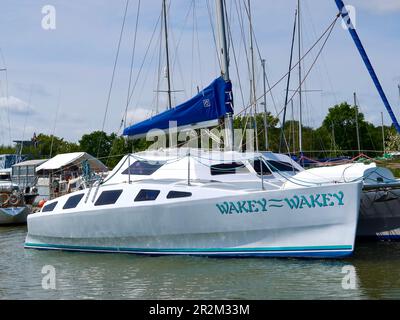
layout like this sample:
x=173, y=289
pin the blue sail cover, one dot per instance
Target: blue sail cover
x=211, y=103
x=346, y=17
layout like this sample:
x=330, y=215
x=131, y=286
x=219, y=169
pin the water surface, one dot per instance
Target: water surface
x=120, y=276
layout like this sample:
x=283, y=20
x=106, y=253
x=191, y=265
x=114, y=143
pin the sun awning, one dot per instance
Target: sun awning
x=211, y=103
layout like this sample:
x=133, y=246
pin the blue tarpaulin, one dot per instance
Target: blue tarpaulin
x=211, y=103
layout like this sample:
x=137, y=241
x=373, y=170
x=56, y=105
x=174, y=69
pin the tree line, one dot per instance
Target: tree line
x=337, y=136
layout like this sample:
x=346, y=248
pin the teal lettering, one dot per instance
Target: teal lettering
x=253, y=206
x=327, y=200
x=243, y=206
x=339, y=196
x=293, y=203
x=315, y=202
x=249, y=203
x=233, y=208
x=223, y=208
x=303, y=202
x=263, y=204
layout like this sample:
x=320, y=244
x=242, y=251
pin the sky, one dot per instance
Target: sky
x=58, y=80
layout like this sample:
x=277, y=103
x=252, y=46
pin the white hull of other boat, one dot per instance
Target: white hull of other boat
x=213, y=219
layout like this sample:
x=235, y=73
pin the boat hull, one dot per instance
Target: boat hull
x=13, y=215
x=380, y=215
x=284, y=223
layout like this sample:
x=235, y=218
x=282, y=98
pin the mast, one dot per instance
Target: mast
x=282, y=136
x=357, y=128
x=167, y=53
x=220, y=4
x=265, y=105
x=253, y=76
x=383, y=135
x=300, y=96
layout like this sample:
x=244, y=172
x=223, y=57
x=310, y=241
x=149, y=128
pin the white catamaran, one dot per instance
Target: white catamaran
x=199, y=202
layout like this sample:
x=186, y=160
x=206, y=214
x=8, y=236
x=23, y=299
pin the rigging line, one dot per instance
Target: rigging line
x=211, y=18
x=288, y=82
x=329, y=29
x=141, y=91
x=145, y=57
x=260, y=57
x=237, y=69
x=239, y=11
x=55, y=123
x=26, y=115
x=113, y=74
x=192, y=57
x=312, y=65
x=367, y=127
x=159, y=72
x=200, y=64
x=307, y=74
x=7, y=97
x=236, y=63
x=132, y=60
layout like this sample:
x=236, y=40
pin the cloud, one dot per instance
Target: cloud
x=139, y=114
x=16, y=106
x=34, y=88
x=381, y=6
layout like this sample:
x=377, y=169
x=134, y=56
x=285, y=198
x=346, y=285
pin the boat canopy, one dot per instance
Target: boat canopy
x=212, y=103
x=70, y=159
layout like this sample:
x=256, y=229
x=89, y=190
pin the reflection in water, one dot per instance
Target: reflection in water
x=113, y=276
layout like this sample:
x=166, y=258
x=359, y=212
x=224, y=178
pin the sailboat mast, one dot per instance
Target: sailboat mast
x=265, y=105
x=383, y=135
x=167, y=53
x=223, y=41
x=220, y=4
x=300, y=87
x=357, y=128
x=253, y=74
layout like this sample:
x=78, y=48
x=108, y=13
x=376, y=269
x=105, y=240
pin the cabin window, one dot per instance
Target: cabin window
x=260, y=167
x=50, y=207
x=228, y=168
x=178, y=194
x=144, y=168
x=281, y=166
x=108, y=197
x=73, y=201
x=147, y=195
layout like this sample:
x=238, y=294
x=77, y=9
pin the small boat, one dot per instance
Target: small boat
x=13, y=208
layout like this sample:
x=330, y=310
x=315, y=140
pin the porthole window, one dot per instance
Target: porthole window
x=73, y=201
x=50, y=207
x=147, y=195
x=108, y=197
x=178, y=194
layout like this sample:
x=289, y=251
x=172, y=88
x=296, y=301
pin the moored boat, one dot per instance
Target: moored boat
x=178, y=216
